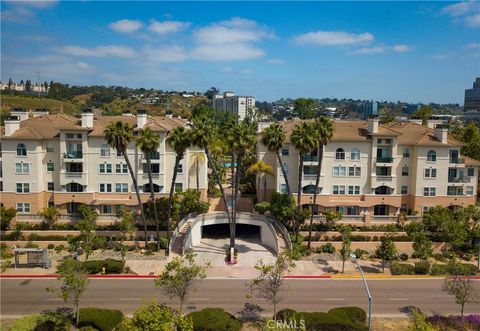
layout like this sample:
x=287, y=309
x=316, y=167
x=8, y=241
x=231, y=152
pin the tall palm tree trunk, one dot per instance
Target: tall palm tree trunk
x=197, y=174
x=135, y=185
x=152, y=196
x=222, y=191
x=232, y=198
x=299, y=195
x=237, y=185
x=284, y=173
x=170, y=196
x=317, y=183
x=264, y=187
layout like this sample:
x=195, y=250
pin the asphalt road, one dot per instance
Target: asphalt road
x=27, y=296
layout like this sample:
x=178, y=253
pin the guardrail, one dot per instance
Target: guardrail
x=283, y=230
x=177, y=230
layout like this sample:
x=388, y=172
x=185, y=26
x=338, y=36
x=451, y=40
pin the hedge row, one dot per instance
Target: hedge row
x=101, y=319
x=358, y=238
x=214, y=319
x=424, y=268
x=111, y=266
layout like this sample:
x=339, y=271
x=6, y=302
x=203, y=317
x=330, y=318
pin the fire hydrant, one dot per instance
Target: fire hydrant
x=103, y=270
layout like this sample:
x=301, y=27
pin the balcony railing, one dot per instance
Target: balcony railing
x=384, y=178
x=73, y=174
x=310, y=158
x=457, y=180
x=385, y=159
x=73, y=155
x=457, y=160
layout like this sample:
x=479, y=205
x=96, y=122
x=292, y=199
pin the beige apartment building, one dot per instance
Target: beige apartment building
x=375, y=171
x=63, y=161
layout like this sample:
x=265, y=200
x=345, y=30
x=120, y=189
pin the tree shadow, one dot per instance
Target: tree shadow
x=330, y=270
x=408, y=309
x=372, y=269
x=250, y=313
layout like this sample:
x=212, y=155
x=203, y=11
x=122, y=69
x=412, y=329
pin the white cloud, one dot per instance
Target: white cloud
x=172, y=53
x=99, y=51
x=473, y=20
x=166, y=27
x=333, y=38
x=126, y=26
x=230, y=70
x=369, y=50
x=276, y=61
x=401, y=48
x=233, y=39
x=473, y=45
x=23, y=11
x=441, y=56
x=467, y=12
x=227, y=70
x=245, y=71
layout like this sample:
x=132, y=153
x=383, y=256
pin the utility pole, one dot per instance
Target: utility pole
x=370, y=299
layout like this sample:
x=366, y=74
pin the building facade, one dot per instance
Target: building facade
x=235, y=104
x=378, y=170
x=472, y=97
x=59, y=160
x=370, y=108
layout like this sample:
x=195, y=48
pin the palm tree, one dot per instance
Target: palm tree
x=148, y=141
x=198, y=157
x=304, y=139
x=179, y=140
x=274, y=137
x=262, y=170
x=119, y=135
x=324, y=128
x=203, y=134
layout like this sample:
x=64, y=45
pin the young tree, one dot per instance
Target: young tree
x=386, y=116
x=346, y=244
x=74, y=282
x=386, y=251
x=119, y=135
x=270, y=281
x=127, y=230
x=87, y=228
x=50, y=216
x=148, y=142
x=6, y=216
x=422, y=245
x=462, y=289
x=331, y=217
x=424, y=113
x=179, y=277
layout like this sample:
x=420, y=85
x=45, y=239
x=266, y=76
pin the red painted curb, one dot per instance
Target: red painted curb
x=91, y=276
x=306, y=277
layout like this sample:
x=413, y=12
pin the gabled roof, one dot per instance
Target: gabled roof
x=416, y=134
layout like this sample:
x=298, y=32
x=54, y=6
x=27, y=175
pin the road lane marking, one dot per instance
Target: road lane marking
x=54, y=299
x=399, y=299
x=333, y=299
x=130, y=299
x=200, y=299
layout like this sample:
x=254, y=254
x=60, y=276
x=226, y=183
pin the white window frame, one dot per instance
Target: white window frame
x=105, y=150
x=337, y=171
x=24, y=188
x=406, y=152
x=469, y=190
x=429, y=191
x=355, y=154
x=105, y=167
x=24, y=168
x=123, y=167
x=429, y=173
x=357, y=171
x=53, y=165
x=121, y=187
x=402, y=191
x=353, y=189
x=338, y=189
x=22, y=207
x=287, y=151
x=105, y=188
x=431, y=157
x=53, y=186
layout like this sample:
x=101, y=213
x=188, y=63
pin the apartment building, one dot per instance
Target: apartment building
x=63, y=161
x=235, y=104
x=379, y=170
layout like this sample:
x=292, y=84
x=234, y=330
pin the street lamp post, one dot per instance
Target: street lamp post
x=354, y=259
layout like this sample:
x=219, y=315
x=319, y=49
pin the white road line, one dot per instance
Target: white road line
x=333, y=299
x=54, y=299
x=399, y=299
x=200, y=299
x=130, y=299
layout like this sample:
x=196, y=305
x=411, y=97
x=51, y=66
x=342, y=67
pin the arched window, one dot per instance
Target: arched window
x=340, y=154
x=156, y=188
x=21, y=150
x=355, y=154
x=310, y=189
x=74, y=187
x=431, y=156
x=105, y=150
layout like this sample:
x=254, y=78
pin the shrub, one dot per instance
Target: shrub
x=214, y=319
x=422, y=268
x=403, y=257
x=401, y=269
x=152, y=246
x=262, y=207
x=59, y=248
x=87, y=328
x=328, y=248
x=286, y=314
x=163, y=242
x=355, y=314
x=359, y=253
x=360, y=237
x=30, y=244
x=101, y=319
x=335, y=320
x=454, y=268
x=51, y=246
x=111, y=266
x=438, y=269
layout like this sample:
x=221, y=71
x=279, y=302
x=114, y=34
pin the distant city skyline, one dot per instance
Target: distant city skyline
x=411, y=51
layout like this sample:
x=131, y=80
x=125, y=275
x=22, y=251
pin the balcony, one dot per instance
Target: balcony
x=458, y=179
x=310, y=158
x=77, y=177
x=385, y=159
x=73, y=155
x=457, y=160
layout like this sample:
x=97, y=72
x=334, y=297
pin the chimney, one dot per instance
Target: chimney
x=12, y=124
x=441, y=133
x=87, y=118
x=21, y=113
x=141, y=118
x=372, y=125
x=40, y=112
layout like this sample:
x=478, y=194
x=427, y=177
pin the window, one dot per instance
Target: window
x=23, y=207
x=430, y=173
x=50, y=186
x=404, y=171
x=155, y=167
x=470, y=172
x=388, y=141
x=105, y=150
x=121, y=187
x=338, y=189
x=431, y=156
x=23, y=188
x=340, y=154
x=74, y=167
x=107, y=209
x=355, y=189
x=339, y=171
x=310, y=170
x=121, y=168
x=351, y=210
x=340, y=209
x=22, y=168
x=285, y=151
x=178, y=187
x=21, y=150
x=406, y=152
x=429, y=191
x=354, y=171
x=74, y=187
x=379, y=141
x=469, y=190
x=285, y=166
x=355, y=154
x=283, y=188
x=105, y=188
x=425, y=209
x=50, y=166
x=454, y=190
x=105, y=168
x=119, y=153
x=50, y=148
x=404, y=189
x=180, y=168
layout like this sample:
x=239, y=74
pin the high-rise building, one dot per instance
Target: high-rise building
x=472, y=97
x=370, y=108
x=238, y=105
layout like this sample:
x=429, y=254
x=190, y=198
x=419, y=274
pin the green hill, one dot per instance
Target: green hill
x=31, y=102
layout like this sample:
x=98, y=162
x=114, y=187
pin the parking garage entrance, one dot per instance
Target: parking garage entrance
x=218, y=231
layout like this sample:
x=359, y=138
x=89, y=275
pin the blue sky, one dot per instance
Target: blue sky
x=409, y=51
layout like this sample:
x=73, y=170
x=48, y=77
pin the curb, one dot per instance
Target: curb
x=90, y=276
x=307, y=277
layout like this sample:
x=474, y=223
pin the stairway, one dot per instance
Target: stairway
x=282, y=241
x=178, y=244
